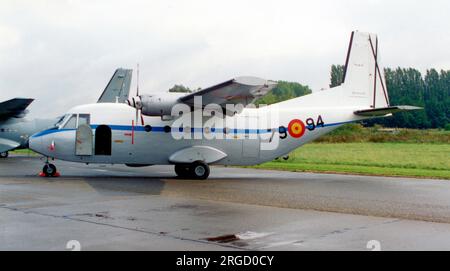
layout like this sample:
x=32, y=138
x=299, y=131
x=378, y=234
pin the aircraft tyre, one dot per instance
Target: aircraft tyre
x=49, y=170
x=199, y=170
x=4, y=154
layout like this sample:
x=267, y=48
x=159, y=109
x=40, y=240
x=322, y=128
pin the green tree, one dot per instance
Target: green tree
x=284, y=91
x=437, y=98
x=180, y=88
x=337, y=75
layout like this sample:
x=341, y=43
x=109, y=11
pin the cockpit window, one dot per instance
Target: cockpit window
x=71, y=123
x=61, y=120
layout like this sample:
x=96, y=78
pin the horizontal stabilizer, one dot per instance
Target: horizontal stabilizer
x=379, y=112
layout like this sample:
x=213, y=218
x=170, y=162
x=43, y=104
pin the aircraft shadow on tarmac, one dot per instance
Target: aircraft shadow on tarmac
x=142, y=185
x=127, y=186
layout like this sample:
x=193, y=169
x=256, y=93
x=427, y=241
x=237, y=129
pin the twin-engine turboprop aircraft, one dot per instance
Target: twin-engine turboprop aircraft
x=218, y=125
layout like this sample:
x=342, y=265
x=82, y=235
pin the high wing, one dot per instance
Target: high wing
x=14, y=108
x=118, y=87
x=240, y=90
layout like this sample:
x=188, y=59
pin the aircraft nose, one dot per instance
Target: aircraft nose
x=35, y=144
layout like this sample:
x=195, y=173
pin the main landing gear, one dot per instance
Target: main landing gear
x=197, y=170
x=4, y=154
x=49, y=170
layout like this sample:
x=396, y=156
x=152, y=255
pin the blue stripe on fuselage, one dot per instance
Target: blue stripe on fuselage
x=50, y=131
x=193, y=130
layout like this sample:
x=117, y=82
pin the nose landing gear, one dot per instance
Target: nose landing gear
x=197, y=170
x=49, y=170
x=4, y=154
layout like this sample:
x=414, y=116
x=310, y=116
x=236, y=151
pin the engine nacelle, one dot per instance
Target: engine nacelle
x=159, y=104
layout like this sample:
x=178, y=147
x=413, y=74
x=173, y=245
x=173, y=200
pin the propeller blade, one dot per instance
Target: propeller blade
x=137, y=116
x=137, y=94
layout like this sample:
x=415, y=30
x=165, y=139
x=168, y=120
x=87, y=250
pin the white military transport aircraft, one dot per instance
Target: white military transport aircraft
x=217, y=125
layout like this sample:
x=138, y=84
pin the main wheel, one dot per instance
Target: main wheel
x=182, y=171
x=199, y=170
x=4, y=154
x=49, y=170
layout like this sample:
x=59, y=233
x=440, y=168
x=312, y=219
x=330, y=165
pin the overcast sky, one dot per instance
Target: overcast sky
x=62, y=53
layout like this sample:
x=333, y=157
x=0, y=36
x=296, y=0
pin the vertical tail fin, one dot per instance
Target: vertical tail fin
x=118, y=87
x=363, y=86
x=363, y=81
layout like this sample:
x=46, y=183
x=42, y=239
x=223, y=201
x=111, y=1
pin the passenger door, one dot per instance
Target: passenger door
x=84, y=137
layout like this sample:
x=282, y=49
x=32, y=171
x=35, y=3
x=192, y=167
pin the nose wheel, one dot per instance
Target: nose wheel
x=4, y=154
x=49, y=170
x=197, y=170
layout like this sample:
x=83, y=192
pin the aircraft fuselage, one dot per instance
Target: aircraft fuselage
x=152, y=140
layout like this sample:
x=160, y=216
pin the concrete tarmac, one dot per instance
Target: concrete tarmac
x=106, y=207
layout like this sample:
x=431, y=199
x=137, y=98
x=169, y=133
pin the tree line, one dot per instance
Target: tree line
x=407, y=86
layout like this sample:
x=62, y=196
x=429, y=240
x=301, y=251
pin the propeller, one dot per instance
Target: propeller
x=138, y=104
x=136, y=101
